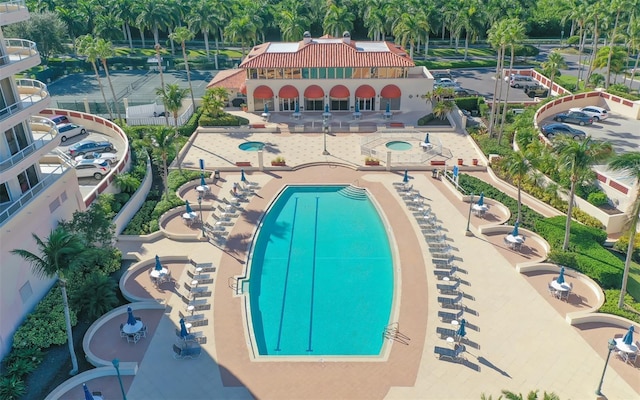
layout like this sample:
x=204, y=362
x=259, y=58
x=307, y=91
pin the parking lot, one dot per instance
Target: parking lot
x=621, y=132
x=482, y=80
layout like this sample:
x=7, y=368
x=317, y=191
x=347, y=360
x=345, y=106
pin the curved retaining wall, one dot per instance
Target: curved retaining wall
x=126, y=368
x=146, y=263
x=106, y=127
x=135, y=202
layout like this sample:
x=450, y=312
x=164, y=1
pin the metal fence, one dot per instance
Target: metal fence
x=375, y=146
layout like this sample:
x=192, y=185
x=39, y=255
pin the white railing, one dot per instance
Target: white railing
x=371, y=146
x=35, y=145
x=18, y=50
x=31, y=193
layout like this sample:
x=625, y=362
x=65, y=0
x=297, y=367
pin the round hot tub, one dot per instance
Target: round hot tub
x=399, y=145
x=251, y=146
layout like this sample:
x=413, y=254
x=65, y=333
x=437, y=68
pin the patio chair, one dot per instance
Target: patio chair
x=448, y=316
x=445, y=332
x=143, y=331
x=631, y=358
x=177, y=352
x=122, y=334
x=451, y=301
x=564, y=295
x=133, y=338
x=448, y=289
x=551, y=290
x=192, y=352
x=452, y=354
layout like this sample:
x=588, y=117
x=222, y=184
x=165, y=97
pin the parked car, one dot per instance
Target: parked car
x=111, y=158
x=461, y=92
x=90, y=146
x=238, y=101
x=536, y=91
x=597, y=113
x=445, y=82
x=66, y=131
x=574, y=117
x=92, y=168
x=437, y=75
x=521, y=81
x=552, y=130
x=60, y=119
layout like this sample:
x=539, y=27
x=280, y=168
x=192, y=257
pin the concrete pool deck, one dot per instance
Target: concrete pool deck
x=517, y=338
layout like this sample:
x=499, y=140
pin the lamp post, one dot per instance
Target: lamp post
x=468, y=232
x=201, y=220
x=325, y=130
x=116, y=364
x=611, y=344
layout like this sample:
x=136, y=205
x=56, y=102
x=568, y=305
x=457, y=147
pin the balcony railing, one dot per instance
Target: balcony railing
x=12, y=6
x=27, y=196
x=38, y=143
x=18, y=50
x=31, y=92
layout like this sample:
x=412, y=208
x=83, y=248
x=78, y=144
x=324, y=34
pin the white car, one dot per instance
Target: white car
x=92, y=168
x=112, y=158
x=597, y=113
x=66, y=131
x=445, y=82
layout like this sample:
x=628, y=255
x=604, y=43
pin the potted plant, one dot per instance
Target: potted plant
x=244, y=107
x=278, y=162
x=371, y=161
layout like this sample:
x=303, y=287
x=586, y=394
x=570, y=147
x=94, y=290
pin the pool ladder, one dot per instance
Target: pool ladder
x=392, y=332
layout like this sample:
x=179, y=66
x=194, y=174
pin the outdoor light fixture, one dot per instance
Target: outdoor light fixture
x=116, y=364
x=611, y=344
x=325, y=130
x=201, y=219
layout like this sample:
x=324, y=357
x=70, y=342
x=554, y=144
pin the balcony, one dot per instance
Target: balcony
x=49, y=176
x=13, y=11
x=21, y=55
x=34, y=97
x=45, y=139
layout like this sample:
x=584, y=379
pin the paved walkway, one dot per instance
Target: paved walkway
x=519, y=342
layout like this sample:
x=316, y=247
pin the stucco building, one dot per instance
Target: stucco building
x=36, y=190
x=338, y=73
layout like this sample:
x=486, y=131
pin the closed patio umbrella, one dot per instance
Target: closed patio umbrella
x=189, y=210
x=515, y=229
x=628, y=338
x=481, y=199
x=405, y=179
x=158, y=265
x=242, y=177
x=202, y=181
x=461, y=330
x=297, y=109
x=266, y=109
x=131, y=320
x=183, y=329
x=326, y=108
x=87, y=393
x=426, y=139
x=560, y=279
x=357, y=106
x=388, y=107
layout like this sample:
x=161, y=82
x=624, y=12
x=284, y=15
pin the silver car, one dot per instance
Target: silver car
x=66, y=131
x=92, y=168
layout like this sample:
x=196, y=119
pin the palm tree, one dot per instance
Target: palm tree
x=515, y=34
x=172, y=97
x=578, y=13
x=290, y=18
x=153, y=14
x=163, y=141
x=86, y=46
x=160, y=68
x=337, y=19
x=615, y=64
x=443, y=108
x=407, y=30
x=373, y=17
x=104, y=49
x=497, y=39
x=206, y=17
x=617, y=6
x=214, y=100
x=96, y=295
x=517, y=167
x=125, y=12
x=555, y=62
x=577, y=157
x=57, y=254
x=472, y=20
x=181, y=35
x=241, y=29
x=629, y=163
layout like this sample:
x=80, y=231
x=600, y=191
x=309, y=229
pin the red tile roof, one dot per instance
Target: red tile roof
x=323, y=54
x=229, y=79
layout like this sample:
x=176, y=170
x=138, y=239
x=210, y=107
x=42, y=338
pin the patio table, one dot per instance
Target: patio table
x=157, y=274
x=132, y=329
x=626, y=348
x=561, y=287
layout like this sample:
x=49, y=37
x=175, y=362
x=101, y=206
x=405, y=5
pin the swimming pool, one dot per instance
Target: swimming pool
x=321, y=275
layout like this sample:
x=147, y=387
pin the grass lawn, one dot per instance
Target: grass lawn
x=633, y=283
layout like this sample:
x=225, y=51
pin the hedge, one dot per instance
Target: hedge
x=224, y=120
x=610, y=305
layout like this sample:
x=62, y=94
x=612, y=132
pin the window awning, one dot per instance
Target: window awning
x=390, y=92
x=339, y=92
x=263, y=92
x=314, y=92
x=288, y=92
x=365, y=92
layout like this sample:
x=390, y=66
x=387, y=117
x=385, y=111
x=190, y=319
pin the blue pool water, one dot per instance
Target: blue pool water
x=251, y=146
x=321, y=280
x=399, y=145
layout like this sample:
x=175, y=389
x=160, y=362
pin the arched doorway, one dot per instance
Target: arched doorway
x=365, y=97
x=390, y=95
x=262, y=95
x=288, y=97
x=339, y=98
x=314, y=98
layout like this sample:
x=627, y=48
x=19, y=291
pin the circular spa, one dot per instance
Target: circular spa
x=251, y=146
x=320, y=278
x=399, y=145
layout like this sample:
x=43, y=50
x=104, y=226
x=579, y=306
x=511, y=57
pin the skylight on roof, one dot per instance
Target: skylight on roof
x=282, y=48
x=372, y=46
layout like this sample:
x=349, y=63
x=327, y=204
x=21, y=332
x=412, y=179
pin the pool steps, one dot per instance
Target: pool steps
x=354, y=193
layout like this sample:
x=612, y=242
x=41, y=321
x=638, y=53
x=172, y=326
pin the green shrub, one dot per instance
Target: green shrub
x=223, y=120
x=21, y=366
x=191, y=125
x=610, y=305
x=140, y=223
x=598, y=199
x=467, y=103
x=483, y=107
x=490, y=145
x=622, y=245
x=527, y=50
x=177, y=178
x=573, y=40
x=11, y=387
x=46, y=325
x=624, y=95
x=95, y=296
x=426, y=119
